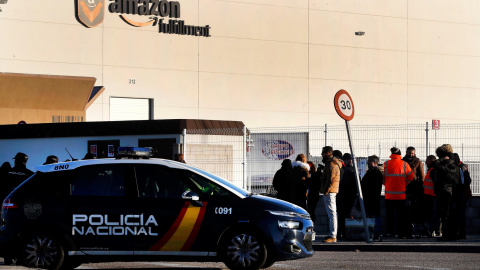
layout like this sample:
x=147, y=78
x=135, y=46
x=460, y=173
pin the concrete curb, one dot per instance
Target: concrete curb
x=471, y=245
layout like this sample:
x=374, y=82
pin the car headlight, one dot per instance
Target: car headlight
x=288, y=224
x=289, y=214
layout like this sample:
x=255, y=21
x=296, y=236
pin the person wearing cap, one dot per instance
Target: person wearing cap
x=397, y=174
x=15, y=177
x=51, y=160
x=19, y=172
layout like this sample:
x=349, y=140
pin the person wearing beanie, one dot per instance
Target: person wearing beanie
x=397, y=174
x=446, y=176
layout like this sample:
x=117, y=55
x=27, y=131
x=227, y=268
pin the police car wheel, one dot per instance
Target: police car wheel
x=244, y=250
x=42, y=251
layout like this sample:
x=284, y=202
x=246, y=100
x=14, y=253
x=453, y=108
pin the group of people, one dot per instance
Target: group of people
x=431, y=204
x=417, y=202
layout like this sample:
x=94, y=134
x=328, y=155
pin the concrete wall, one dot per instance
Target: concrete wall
x=266, y=59
x=472, y=214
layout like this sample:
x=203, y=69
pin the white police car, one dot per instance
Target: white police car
x=98, y=210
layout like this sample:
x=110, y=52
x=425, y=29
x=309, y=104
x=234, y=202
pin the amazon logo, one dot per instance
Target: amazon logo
x=152, y=8
x=90, y=13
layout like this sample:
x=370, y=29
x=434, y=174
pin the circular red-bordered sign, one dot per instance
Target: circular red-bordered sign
x=344, y=105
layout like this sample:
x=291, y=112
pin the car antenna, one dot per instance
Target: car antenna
x=73, y=159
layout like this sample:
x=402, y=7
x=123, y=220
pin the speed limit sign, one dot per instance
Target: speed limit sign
x=344, y=105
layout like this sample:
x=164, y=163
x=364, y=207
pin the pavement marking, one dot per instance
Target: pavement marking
x=286, y=266
x=177, y=265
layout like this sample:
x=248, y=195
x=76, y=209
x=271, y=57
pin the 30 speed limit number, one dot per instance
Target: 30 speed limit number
x=344, y=105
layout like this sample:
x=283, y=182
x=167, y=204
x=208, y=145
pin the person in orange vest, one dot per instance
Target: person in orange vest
x=428, y=200
x=397, y=174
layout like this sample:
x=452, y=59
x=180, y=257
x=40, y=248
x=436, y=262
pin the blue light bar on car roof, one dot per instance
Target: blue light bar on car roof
x=134, y=152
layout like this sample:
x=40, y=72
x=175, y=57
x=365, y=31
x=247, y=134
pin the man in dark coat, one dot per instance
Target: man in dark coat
x=282, y=180
x=414, y=192
x=463, y=195
x=446, y=178
x=371, y=190
x=347, y=193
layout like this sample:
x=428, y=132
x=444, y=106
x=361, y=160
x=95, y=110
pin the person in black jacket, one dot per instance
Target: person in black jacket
x=463, y=194
x=282, y=180
x=4, y=186
x=300, y=176
x=446, y=178
x=347, y=193
x=19, y=172
x=15, y=177
x=414, y=192
x=371, y=184
x=313, y=184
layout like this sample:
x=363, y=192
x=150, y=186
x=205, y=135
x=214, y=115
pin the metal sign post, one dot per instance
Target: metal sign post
x=345, y=109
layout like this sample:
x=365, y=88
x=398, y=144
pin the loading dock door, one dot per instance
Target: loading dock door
x=125, y=109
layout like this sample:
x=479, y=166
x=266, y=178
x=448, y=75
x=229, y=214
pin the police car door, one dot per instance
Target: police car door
x=103, y=222
x=173, y=221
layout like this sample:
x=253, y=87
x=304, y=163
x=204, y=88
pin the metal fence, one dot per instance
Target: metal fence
x=251, y=159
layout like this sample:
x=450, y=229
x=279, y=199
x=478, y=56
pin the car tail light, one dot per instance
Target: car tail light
x=9, y=204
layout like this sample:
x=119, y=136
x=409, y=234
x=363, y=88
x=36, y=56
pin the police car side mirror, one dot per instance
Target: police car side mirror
x=190, y=195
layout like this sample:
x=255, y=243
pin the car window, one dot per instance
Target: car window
x=53, y=184
x=207, y=188
x=239, y=190
x=156, y=181
x=100, y=180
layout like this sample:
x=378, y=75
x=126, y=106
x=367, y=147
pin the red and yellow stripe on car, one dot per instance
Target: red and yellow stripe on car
x=184, y=230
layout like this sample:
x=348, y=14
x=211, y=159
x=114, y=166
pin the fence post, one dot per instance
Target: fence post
x=325, y=135
x=184, y=133
x=244, y=163
x=426, y=145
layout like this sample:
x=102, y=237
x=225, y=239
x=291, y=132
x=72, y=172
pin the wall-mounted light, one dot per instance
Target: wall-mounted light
x=359, y=33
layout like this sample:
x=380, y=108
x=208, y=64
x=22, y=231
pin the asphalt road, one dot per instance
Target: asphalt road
x=323, y=260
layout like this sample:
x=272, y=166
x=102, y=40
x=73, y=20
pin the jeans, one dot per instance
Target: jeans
x=331, y=207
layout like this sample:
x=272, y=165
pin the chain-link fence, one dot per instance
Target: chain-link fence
x=251, y=158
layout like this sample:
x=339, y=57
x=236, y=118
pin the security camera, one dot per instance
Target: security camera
x=359, y=33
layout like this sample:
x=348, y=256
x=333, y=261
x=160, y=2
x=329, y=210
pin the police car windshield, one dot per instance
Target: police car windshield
x=222, y=181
